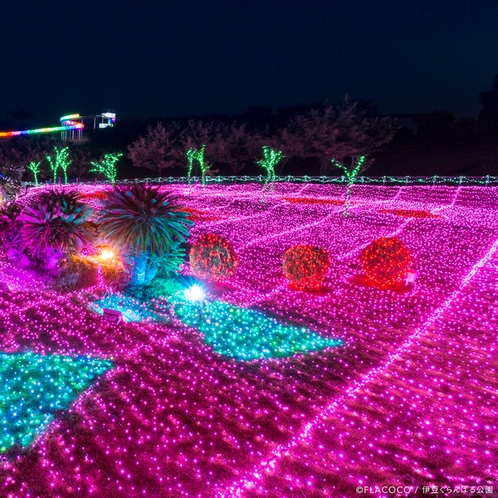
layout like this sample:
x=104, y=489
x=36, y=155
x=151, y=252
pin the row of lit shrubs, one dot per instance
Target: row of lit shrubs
x=385, y=262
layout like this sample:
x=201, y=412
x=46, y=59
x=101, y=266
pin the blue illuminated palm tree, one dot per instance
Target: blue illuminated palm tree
x=145, y=224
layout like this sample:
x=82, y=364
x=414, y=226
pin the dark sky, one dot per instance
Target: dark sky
x=180, y=57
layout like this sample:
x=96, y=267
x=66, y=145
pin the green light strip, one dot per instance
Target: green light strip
x=362, y=180
x=248, y=334
x=35, y=387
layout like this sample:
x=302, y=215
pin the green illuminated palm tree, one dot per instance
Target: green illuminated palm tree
x=145, y=225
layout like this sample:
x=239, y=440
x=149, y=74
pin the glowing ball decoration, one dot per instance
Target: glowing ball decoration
x=306, y=266
x=386, y=261
x=213, y=257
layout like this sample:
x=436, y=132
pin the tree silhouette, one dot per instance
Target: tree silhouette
x=195, y=135
x=21, y=115
x=488, y=116
x=235, y=145
x=342, y=132
x=20, y=151
x=158, y=149
x=437, y=126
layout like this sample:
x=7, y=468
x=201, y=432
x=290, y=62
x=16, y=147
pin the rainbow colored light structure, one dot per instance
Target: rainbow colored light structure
x=69, y=123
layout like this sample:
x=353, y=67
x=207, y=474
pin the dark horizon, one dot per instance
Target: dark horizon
x=169, y=59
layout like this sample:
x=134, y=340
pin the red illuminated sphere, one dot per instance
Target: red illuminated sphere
x=213, y=257
x=306, y=266
x=386, y=261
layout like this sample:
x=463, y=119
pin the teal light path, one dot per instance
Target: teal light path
x=34, y=386
x=246, y=334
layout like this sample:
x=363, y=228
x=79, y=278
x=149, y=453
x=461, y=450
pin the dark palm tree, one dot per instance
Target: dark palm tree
x=145, y=224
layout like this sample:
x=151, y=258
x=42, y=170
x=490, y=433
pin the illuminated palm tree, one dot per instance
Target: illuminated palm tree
x=55, y=225
x=10, y=229
x=145, y=225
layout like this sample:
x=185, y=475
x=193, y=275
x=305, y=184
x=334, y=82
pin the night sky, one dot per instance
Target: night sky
x=182, y=57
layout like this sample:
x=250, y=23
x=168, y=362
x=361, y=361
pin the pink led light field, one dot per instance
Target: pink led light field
x=409, y=399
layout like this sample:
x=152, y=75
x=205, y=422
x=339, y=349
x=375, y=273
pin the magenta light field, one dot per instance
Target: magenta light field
x=410, y=400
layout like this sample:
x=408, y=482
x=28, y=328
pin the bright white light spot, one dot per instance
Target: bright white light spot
x=195, y=293
x=106, y=254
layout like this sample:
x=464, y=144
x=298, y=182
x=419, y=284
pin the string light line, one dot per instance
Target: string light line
x=487, y=180
x=287, y=232
x=242, y=218
x=401, y=228
x=458, y=373
x=264, y=297
x=236, y=490
x=395, y=198
x=457, y=193
x=358, y=249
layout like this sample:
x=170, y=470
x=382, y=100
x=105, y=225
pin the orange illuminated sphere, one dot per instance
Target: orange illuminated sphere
x=386, y=261
x=305, y=266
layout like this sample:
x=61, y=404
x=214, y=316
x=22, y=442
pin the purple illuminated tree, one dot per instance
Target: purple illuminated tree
x=10, y=230
x=287, y=141
x=10, y=182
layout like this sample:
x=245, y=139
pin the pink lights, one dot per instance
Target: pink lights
x=412, y=397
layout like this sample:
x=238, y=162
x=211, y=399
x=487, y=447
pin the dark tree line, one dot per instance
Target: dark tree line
x=488, y=117
x=309, y=136
x=319, y=133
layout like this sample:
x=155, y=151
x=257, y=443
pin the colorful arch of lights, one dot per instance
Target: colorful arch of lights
x=71, y=126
